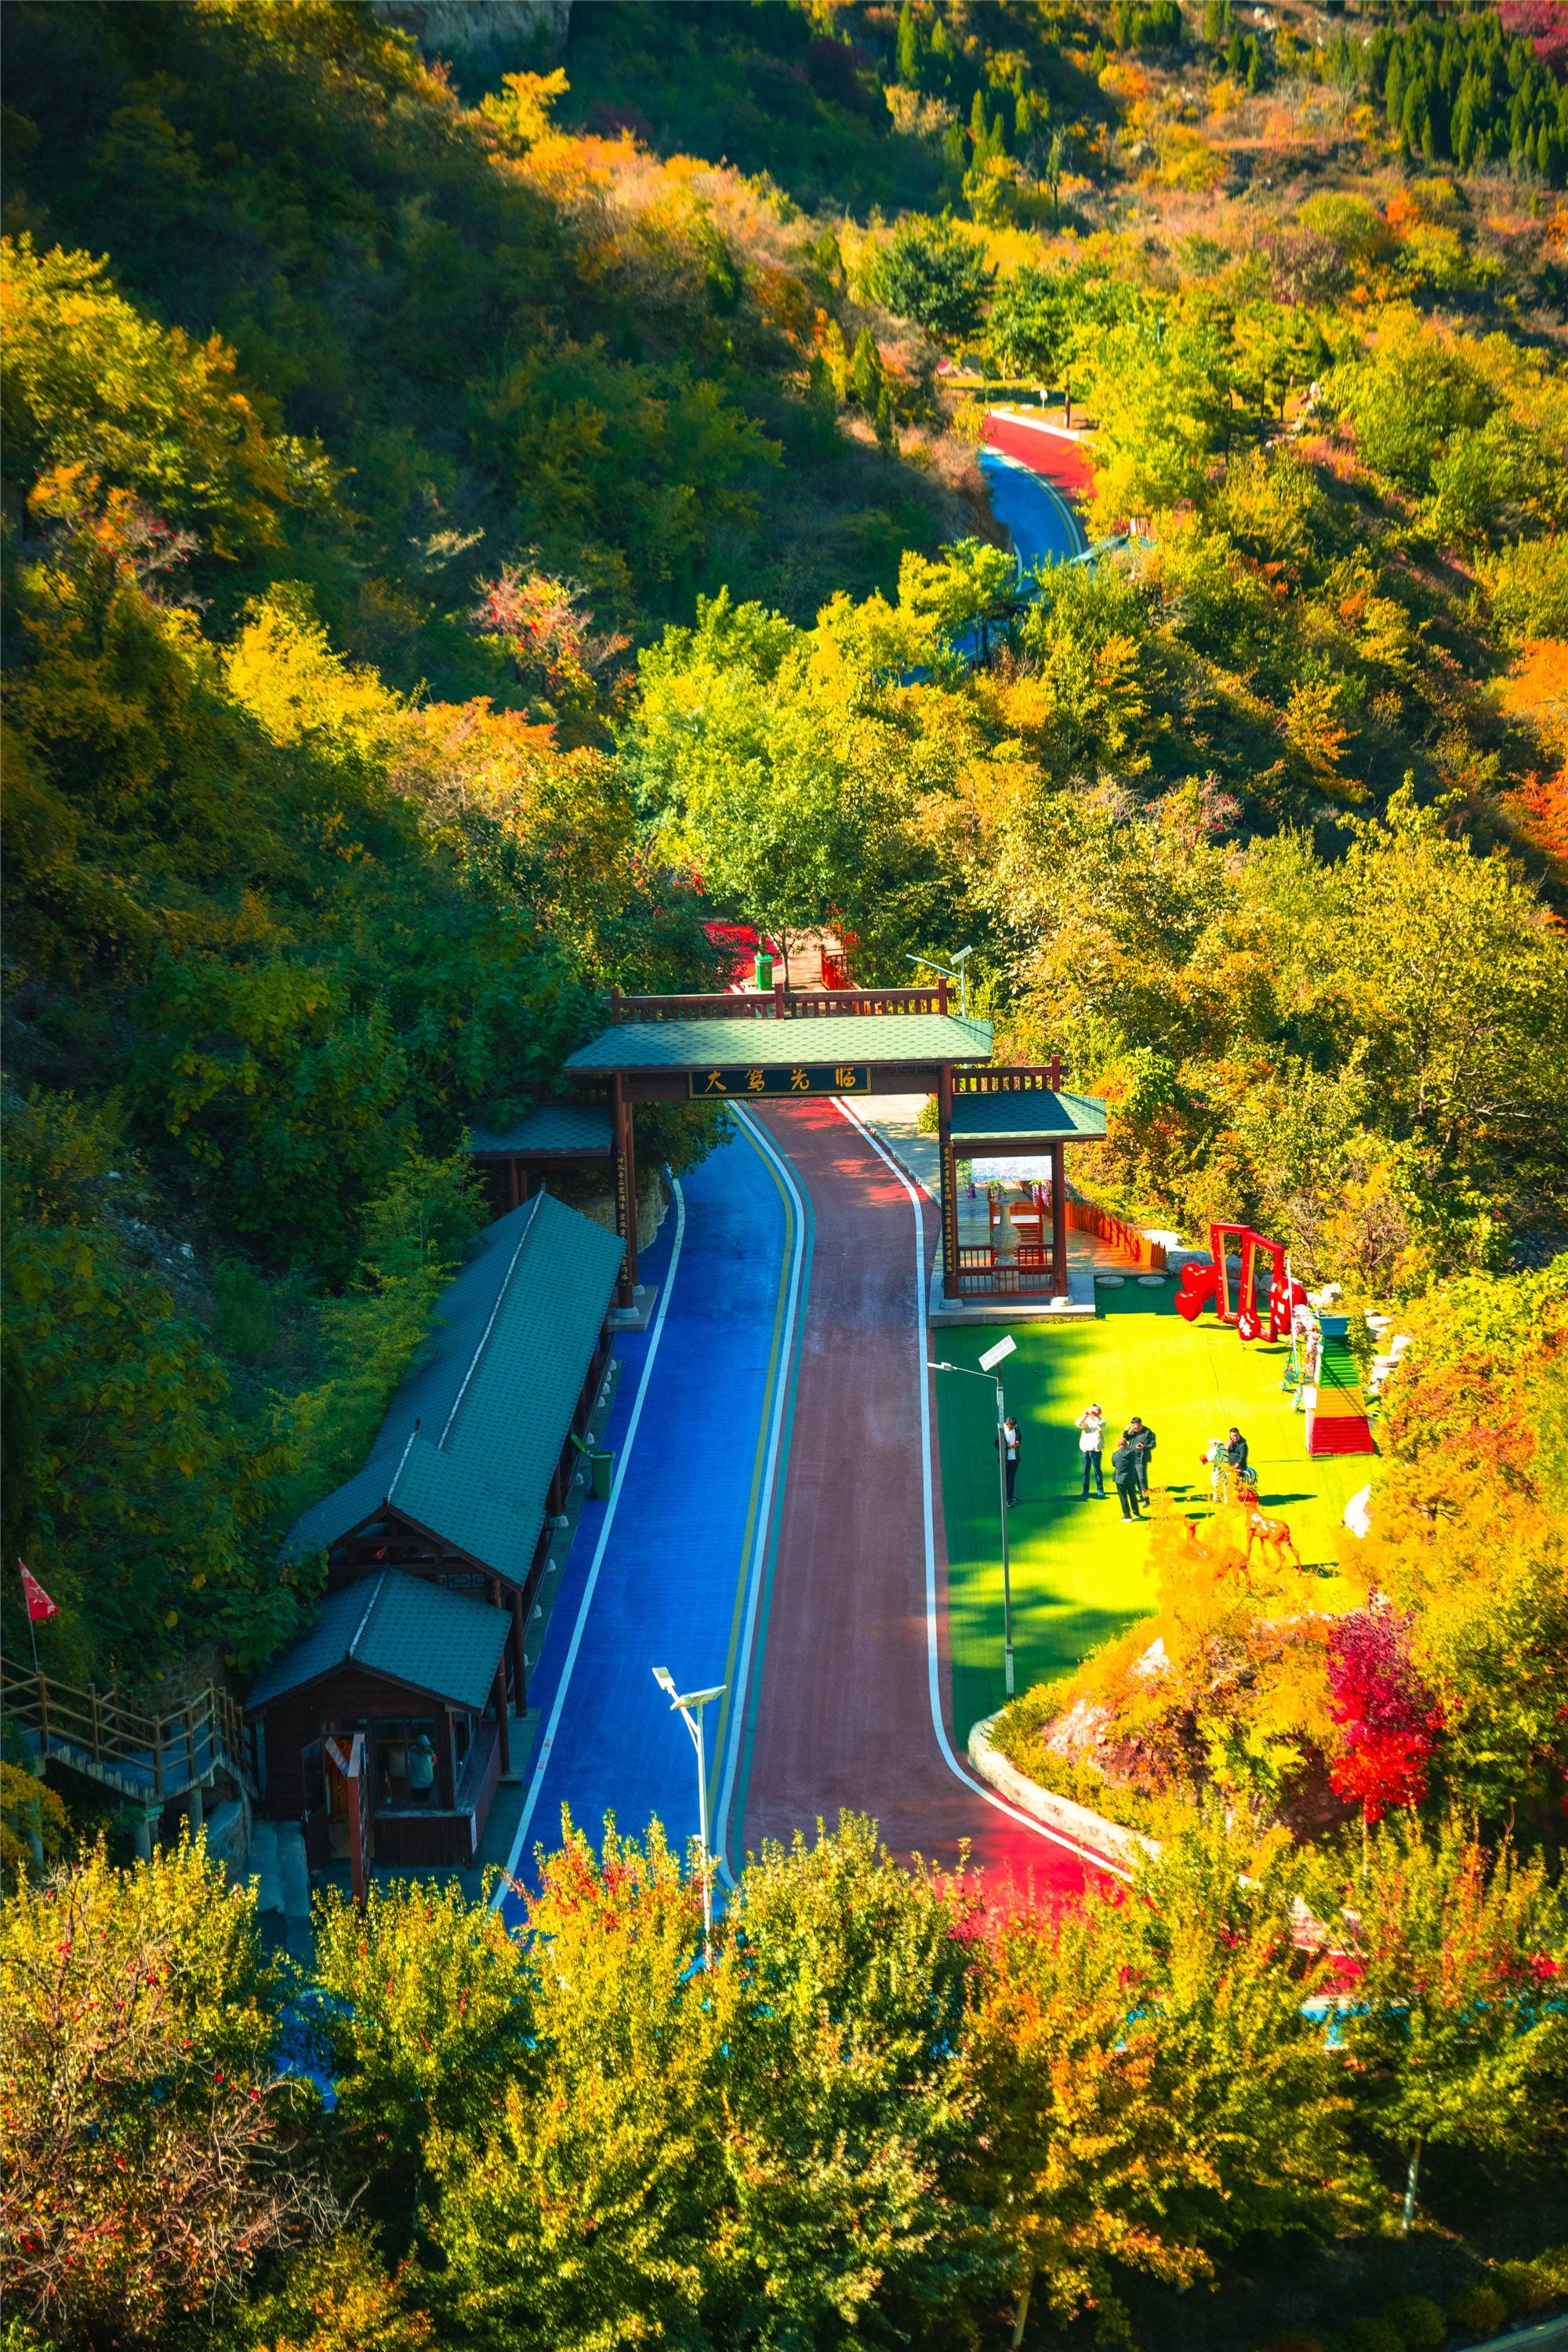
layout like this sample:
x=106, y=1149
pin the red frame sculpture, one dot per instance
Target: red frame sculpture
x=1210, y=1286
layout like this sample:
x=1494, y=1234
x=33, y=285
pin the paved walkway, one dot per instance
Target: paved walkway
x=665, y=1573
x=852, y=1694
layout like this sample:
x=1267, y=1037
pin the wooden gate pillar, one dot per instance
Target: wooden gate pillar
x=949, y=1181
x=623, y=1150
x=1059, y=1200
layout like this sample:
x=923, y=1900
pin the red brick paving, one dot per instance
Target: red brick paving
x=844, y=1717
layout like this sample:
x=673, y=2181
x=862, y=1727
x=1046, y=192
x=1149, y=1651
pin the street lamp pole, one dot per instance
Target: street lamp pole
x=988, y=1363
x=955, y=971
x=689, y=1705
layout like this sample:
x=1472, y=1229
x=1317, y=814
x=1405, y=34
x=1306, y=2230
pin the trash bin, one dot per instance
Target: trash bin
x=603, y=1467
x=762, y=970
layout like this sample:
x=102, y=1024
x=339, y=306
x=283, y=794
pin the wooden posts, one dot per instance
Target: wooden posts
x=623, y=1156
x=949, y=1187
x=446, y=1773
x=501, y=1726
x=519, y=1667
x=349, y=1763
x=1058, y=1201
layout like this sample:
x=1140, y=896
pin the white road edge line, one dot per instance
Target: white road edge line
x=933, y=1665
x=504, y=1884
x=741, y=1692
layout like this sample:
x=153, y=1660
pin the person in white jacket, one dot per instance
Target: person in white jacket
x=1090, y=1444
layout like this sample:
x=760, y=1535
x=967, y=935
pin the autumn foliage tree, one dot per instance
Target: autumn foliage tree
x=148, y=2134
x=1388, y=1718
x=1457, y=2031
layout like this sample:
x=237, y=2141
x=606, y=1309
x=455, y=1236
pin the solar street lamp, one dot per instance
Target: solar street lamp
x=1007, y=1346
x=689, y=1705
x=950, y=971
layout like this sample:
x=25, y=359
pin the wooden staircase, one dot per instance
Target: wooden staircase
x=145, y=1758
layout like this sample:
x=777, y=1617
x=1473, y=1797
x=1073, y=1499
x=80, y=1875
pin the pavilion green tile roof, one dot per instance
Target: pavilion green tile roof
x=1034, y=1114
x=404, y=1627
x=471, y=1439
x=570, y=1128
x=771, y=1043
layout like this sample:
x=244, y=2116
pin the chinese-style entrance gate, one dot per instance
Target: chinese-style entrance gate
x=782, y=1047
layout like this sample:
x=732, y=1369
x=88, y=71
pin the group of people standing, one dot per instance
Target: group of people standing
x=1129, y=1460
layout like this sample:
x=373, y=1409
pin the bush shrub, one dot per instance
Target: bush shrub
x=1551, y=2269
x=1289, y=2340
x=1532, y=2285
x=1418, y=2323
x=1479, y=2308
x=1369, y=2335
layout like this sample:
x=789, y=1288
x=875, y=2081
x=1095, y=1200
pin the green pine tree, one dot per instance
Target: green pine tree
x=908, y=50
x=865, y=373
x=1394, y=90
x=886, y=422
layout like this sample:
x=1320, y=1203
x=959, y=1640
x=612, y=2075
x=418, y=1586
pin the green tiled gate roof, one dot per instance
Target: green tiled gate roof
x=774, y=1045
x=471, y=1439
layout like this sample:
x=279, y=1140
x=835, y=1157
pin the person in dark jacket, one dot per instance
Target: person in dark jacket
x=1124, y=1471
x=1143, y=1438
x=1236, y=1451
x=1008, y=1437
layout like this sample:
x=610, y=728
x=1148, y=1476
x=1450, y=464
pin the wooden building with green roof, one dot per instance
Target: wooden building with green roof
x=435, y=1549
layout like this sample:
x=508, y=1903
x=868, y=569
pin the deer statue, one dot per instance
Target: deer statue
x=1273, y=1533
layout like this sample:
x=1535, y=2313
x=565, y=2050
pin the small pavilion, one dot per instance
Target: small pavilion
x=553, y=1137
x=1012, y=1114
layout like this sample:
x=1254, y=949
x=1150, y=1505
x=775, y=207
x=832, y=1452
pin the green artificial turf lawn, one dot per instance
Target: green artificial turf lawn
x=1079, y=1573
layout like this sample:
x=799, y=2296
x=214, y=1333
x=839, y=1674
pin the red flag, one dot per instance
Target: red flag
x=39, y=1605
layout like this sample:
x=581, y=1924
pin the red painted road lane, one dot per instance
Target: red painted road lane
x=1058, y=456
x=844, y=1716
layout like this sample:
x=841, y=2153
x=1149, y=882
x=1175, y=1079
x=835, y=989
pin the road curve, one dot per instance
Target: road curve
x=844, y=1712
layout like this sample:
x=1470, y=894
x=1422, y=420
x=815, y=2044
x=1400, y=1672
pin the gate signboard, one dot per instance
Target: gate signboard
x=751, y=1083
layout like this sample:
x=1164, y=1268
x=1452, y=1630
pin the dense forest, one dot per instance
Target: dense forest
x=467, y=520
x=361, y=729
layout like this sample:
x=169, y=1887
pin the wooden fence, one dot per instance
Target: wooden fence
x=1089, y=1217
x=150, y=1756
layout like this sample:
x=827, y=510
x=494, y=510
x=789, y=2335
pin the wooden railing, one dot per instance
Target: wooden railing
x=782, y=1005
x=154, y=1756
x=1015, y=1281
x=1089, y=1217
x=980, y=1274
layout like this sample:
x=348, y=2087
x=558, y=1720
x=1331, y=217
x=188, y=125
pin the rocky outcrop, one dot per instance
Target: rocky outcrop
x=503, y=30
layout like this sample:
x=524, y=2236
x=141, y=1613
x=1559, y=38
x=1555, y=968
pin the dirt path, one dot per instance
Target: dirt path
x=844, y=1716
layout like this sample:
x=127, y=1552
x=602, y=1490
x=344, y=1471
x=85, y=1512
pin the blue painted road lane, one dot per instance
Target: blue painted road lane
x=666, y=1582
x=1044, y=527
